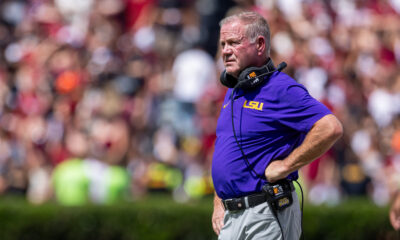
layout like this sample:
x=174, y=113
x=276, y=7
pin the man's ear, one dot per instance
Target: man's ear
x=260, y=44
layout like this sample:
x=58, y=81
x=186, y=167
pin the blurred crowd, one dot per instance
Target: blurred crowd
x=103, y=100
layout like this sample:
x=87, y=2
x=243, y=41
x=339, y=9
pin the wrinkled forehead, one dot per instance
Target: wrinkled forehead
x=232, y=29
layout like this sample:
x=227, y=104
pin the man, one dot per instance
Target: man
x=277, y=128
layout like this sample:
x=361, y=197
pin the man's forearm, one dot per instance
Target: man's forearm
x=321, y=137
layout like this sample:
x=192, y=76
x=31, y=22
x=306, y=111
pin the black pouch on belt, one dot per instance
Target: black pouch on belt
x=279, y=194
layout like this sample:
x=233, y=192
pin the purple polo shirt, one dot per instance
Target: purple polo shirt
x=270, y=122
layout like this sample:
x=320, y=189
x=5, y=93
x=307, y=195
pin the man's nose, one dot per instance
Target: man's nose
x=226, y=50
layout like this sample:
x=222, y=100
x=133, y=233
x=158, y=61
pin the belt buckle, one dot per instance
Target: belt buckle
x=227, y=203
x=233, y=204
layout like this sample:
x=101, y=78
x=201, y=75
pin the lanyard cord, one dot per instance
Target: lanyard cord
x=236, y=139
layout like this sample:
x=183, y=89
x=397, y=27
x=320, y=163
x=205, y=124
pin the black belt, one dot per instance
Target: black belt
x=236, y=204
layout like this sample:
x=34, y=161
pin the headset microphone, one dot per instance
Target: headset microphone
x=281, y=66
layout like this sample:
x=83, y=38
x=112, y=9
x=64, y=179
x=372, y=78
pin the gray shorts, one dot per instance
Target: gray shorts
x=259, y=222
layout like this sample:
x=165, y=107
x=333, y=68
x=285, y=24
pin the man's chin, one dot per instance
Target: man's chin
x=231, y=71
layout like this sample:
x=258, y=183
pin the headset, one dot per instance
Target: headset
x=250, y=78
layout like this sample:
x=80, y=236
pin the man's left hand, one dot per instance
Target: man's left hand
x=275, y=171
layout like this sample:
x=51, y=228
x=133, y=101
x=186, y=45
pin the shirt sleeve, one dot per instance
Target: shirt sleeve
x=299, y=110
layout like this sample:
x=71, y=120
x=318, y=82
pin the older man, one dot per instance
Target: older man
x=268, y=128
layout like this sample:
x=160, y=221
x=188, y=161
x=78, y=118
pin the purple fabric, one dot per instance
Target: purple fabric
x=271, y=123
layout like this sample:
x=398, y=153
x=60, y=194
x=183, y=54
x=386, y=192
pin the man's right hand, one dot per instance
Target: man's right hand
x=218, y=215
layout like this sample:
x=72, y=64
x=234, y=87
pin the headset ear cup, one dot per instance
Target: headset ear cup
x=227, y=80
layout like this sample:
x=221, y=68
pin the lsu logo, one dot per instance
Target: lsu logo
x=253, y=105
x=283, y=201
